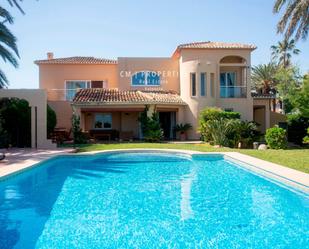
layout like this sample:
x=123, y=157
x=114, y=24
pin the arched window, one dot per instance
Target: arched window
x=146, y=78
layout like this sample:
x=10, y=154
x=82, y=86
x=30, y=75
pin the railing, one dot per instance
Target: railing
x=233, y=91
x=61, y=94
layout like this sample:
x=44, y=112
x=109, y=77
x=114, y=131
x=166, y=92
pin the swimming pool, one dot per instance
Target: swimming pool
x=149, y=200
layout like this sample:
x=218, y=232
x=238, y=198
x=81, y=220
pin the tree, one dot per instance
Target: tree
x=283, y=52
x=295, y=19
x=300, y=99
x=8, y=47
x=263, y=76
x=288, y=81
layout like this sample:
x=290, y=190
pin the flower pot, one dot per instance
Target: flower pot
x=183, y=137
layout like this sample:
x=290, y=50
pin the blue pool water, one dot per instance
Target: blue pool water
x=148, y=200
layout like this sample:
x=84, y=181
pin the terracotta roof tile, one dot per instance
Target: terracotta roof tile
x=76, y=60
x=115, y=96
x=216, y=45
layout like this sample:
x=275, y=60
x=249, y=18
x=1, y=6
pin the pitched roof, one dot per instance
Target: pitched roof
x=115, y=96
x=76, y=60
x=214, y=45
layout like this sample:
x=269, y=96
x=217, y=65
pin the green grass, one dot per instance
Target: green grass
x=293, y=158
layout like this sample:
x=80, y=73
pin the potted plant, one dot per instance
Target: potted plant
x=182, y=129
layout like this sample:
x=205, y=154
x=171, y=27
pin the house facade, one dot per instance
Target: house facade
x=109, y=95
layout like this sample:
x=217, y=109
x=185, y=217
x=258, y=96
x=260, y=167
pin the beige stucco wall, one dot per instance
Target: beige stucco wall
x=64, y=113
x=54, y=76
x=37, y=99
x=168, y=67
x=276, y=118
x=208, y=61
x=258, y=113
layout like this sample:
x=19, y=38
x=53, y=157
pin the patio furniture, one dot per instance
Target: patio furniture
x=2, y=156
x=60, y=134
x=126, y=135
x=99, y=134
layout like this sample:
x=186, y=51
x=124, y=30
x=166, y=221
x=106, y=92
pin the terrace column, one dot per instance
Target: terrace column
x=151, y=110
x=33, y=127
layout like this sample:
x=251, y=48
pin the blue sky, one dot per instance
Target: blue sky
x=115, y=28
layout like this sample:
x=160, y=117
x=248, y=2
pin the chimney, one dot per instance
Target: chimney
x=50, y=55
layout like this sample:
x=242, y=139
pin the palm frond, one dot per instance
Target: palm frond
x=16, y=4
x=3, y=80
x=7, y=38
x=6, y=15
x=295, y=19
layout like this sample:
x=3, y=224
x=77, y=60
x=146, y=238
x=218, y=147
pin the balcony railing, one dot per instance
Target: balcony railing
x=233, y=91
x=61, y=94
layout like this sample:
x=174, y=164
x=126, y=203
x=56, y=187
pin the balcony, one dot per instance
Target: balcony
x=61, y=94
x=233, y=91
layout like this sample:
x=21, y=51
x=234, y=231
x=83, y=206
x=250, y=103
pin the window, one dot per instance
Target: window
x=98, y=84
x=227, y=84
x=73, y=85
x=203, y=84
x=146, y=78
x=103, y=121
x=212, y=85
x=193, y=84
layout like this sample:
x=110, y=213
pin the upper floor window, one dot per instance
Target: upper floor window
x=193, y=84
x=73, y=85
x=146, y=78
x=227, y=84
x=203, y=84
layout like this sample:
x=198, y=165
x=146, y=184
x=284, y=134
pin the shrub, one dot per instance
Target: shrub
x=51, y=120
x=213, y=114
x=276, y=138
x=243, y=132
x=306, y=138
x=78, y=136
x=16, y=122
x=151, y=127
x=297, y=128
x=182, y=128
x=220, y=129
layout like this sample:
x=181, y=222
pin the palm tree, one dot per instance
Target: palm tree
x=295, y=19
x=283, y=52
x=8, y=47
x=263, y=76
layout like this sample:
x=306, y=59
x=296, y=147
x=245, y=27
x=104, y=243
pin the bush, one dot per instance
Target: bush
x=243, y=132
x=78, y=136
x=15, y=122
x=209, y=114
x=51, y=120
x=151, y=127
x=297, y=128
x=306, y=138
x=276, y=138
x=219, y=129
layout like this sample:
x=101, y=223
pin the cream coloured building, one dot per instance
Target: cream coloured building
x=110, y=94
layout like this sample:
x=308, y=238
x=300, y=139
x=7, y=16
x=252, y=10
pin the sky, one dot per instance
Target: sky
x=137, y=28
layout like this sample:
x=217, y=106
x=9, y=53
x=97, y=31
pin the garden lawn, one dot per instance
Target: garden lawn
x=293, y=158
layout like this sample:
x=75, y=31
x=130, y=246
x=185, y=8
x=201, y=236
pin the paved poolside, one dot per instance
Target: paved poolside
x=19, y=159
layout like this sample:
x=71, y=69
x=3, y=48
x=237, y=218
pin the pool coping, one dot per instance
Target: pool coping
x=292, y=178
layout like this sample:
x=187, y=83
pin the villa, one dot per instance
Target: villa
x=109, y=95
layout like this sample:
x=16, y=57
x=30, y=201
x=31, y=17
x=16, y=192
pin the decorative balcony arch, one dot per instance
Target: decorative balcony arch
x=233, y=59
